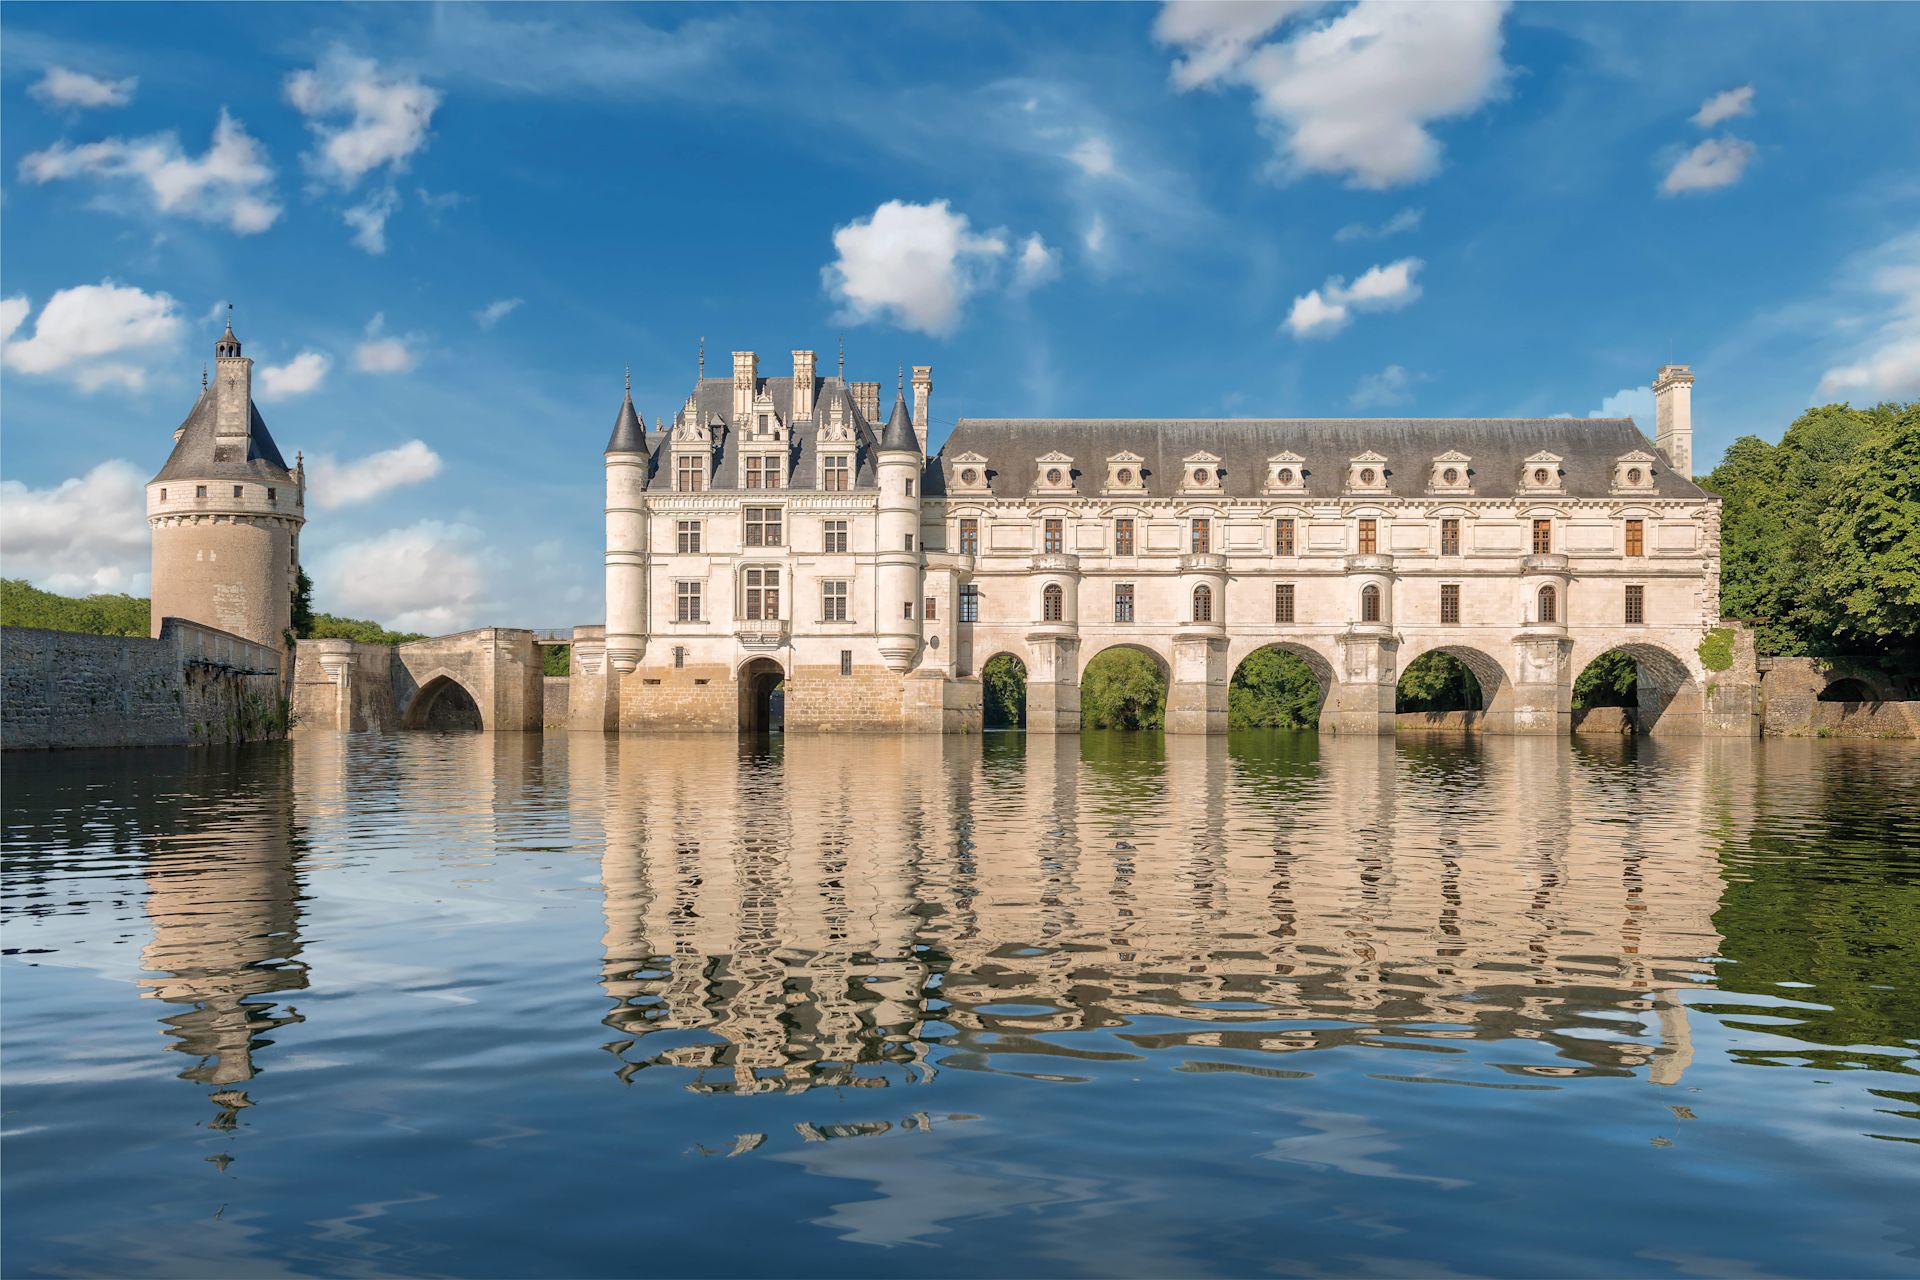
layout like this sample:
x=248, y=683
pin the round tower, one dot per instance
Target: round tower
x=626, y=465
x=897, y=574
x=226, y=513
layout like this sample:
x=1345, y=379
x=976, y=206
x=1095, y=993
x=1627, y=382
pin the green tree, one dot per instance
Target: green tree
x=1123, y=689
x=1273, y=689
x=302, y=605
x=328, y=627
x=24, y=605
x=555, y=658
x=1437, y=681
x=1003, y=688
x=1610, y=680
x=1870, y=540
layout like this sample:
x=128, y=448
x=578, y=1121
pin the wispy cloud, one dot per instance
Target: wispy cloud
x=1883, y=292
x=1405, y=220
x=299, y=376
x=382, y=352
x=63, y=87
x=334, y=484
x=1323, y=312
x=232, y=182
x=1715, y=163
x=1725, y=106
x=496, y=311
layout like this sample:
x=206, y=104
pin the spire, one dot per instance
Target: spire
x=843, y=359
x=629, y=432
x=899, y=436
x=703, y=357
x=228, y=346
x=203, y=377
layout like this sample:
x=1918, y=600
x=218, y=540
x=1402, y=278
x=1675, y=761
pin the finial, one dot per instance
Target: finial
x=843, y=359
x=900, y=382
x=703, y=355
x=229, y=318
x=203, y=377
x=629, y=381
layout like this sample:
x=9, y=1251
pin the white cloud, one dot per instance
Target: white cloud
x=1036, y=264
x=496, y=311
x=1717, y=162
x=84, y=333
x=231, y=183
x=362, y=117
x=1323, y=312
x=1405, y=220
x=13, y=313
x=1889, y=367
x=369, y=219
x=298, y=376
x=383, y=352
x=344, y=484
x=1725, y=106
x=1392, y=385
x=429, y=577
x=1628, y=402
x=1095, y=237
x=1094, y=155
x=62, y=87
x=82, y=535
x=913, y=264
x=1353, y=94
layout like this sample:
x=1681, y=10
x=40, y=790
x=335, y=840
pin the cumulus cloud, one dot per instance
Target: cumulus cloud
x=369, y=219
x=429, y=577
x=231, y=183
x=362, y=118
x=1353, y=94
x=63, y=87
x=496, y=311
x=86, y=334
x=1628, y=402
x=13, y=313
x=1717, y=162
x=1405, y=220
x=1725, y=106
x=80, y=536
x=1323, y=312
x=1392, y=385
x=1888, y=366
x=298, y=376
x=916, y=265
x=383, y=352
x=334, y=484
x=1036, y=264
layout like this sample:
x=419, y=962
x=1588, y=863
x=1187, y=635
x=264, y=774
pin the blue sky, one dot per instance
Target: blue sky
x=447, y=230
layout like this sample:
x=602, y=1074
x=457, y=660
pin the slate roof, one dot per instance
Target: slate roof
x=629, y=433
x=713, y=400
x=899, y=436
x=1497, y=446
x=197, y=455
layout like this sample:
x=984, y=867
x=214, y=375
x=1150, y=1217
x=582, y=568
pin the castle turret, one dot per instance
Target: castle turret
x=226, y=513
x=1673, y=416
x=626, y=464
x=897, y=577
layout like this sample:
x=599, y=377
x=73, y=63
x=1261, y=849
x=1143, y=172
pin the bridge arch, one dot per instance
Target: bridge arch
x=762, y=706
x=1321, y=662
x=1162, y=663
x=1003, y=689
x=1669, y=688
x=1492, y=675
x=443, y=702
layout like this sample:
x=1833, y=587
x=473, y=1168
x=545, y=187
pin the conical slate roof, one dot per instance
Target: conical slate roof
x=198, y=455
x=629, y=433
x=899, y=436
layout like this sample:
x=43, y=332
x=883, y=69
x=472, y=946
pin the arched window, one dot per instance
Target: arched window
x=1369, y=603
x=1549, y=605
x=1053, y=603
x=1203, y=603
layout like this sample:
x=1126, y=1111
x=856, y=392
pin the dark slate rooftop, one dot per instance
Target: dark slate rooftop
x=198, y=456
x=1497, y=447
x=713, y=400
x=899, y=436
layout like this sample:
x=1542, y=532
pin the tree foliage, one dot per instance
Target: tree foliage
x=1123, y=689
x=24, y=605
x=1610, y=680
x=1273, y=689
x=302, y=604
x=1870, y=539
x=1003, y=688
x=556, y=658
x=1437, y=681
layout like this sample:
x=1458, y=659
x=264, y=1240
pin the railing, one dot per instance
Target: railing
x=1203, y=562
x=755, y=633
x=1054, y=562
x=552, y=635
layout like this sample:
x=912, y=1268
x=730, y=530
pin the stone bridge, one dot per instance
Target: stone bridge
x=489, y=679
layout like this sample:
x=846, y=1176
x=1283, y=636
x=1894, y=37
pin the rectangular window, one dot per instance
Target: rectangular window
x=763, y=422
x=236, y=491
x=833, y=536
x=1636, y=537
x=679, y=656
x=1283, y=602
x=686, y=537
x=969, y=537
x=909, y=542
x=833, y=602
x=1123, y=602
x=1449, y=537
x=1054, y=540
x=1636, y=605
x=909, y=488
x=690, y=473
x=272, y=494
x=199, y=491
x=907, y=610
x=763, y=595
x=928, y=612
x=753, y=473
x=969, y=603
x=763, y=526
x=1202, y=539
x=838, y=476
x=1283, y=537
x=846, y=662
x=686, y=602
x=1123, y=537
x=1542, y=537
x=1450, y=602
x=1369, y=537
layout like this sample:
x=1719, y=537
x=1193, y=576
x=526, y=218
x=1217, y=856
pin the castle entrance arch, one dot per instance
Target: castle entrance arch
x=762, y=697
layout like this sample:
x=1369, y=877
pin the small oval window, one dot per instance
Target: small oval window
x=1539, y=475
x=1366, y=475
x=1452, y=475
x=969, y=476
x=1199, y=475
x=1054, y=476
x=1633, y=475
x=1125, y=475
x=1286, y=475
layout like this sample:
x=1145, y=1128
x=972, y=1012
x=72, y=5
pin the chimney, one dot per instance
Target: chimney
x=232, y=390
x=746, y=380
x=1673, y=416
x=922, y=394
x=866, y=397
x=802, y=385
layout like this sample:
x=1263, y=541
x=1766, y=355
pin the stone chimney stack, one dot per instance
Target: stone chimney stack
x=922, y=394
x=802, y=385
x=866, y=397
x=746, y=380
x=1673, y=416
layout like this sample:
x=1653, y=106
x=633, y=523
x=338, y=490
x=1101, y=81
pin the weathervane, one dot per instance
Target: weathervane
x=843, y=359
x=629, y=381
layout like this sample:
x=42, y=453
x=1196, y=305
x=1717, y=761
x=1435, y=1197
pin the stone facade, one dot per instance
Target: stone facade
x=491, y=679
x=189, y=686
x=777, y=532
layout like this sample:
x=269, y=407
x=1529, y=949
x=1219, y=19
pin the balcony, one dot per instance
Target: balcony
x=1370, y=563
x=1054, y=562
x=1543, y=564
x=1203, y=562
x=754, y=633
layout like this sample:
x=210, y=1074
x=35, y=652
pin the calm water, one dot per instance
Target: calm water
x=450, y=1005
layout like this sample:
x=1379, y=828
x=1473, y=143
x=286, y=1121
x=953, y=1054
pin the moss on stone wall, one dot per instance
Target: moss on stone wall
x=1716, y=649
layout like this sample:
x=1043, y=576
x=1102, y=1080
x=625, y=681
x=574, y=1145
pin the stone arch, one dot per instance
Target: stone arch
x=1495, y=680
x=760, y=707
x=1160, y=662
x=1670, y=689
x=1323, y=665
x=442, y=702
x=1849, y=689
x=988, y=711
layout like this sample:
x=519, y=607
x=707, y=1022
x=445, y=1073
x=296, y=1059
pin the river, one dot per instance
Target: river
x=442, y=1004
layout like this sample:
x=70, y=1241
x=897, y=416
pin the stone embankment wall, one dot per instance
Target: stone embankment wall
x=345, y=686
x=1790, y=691
x=555, y=691
x=190, y=686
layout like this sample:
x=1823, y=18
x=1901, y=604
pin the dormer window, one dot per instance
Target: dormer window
x=1451, y=473
x=690, y=473
x=1367, y=473
x=1124, y=474
x=1200, y=473
x=1286, y=473
x=836, y=473
x=1055, y=473
x=968, y=472
x=1633, y=472
x=1541, y=473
